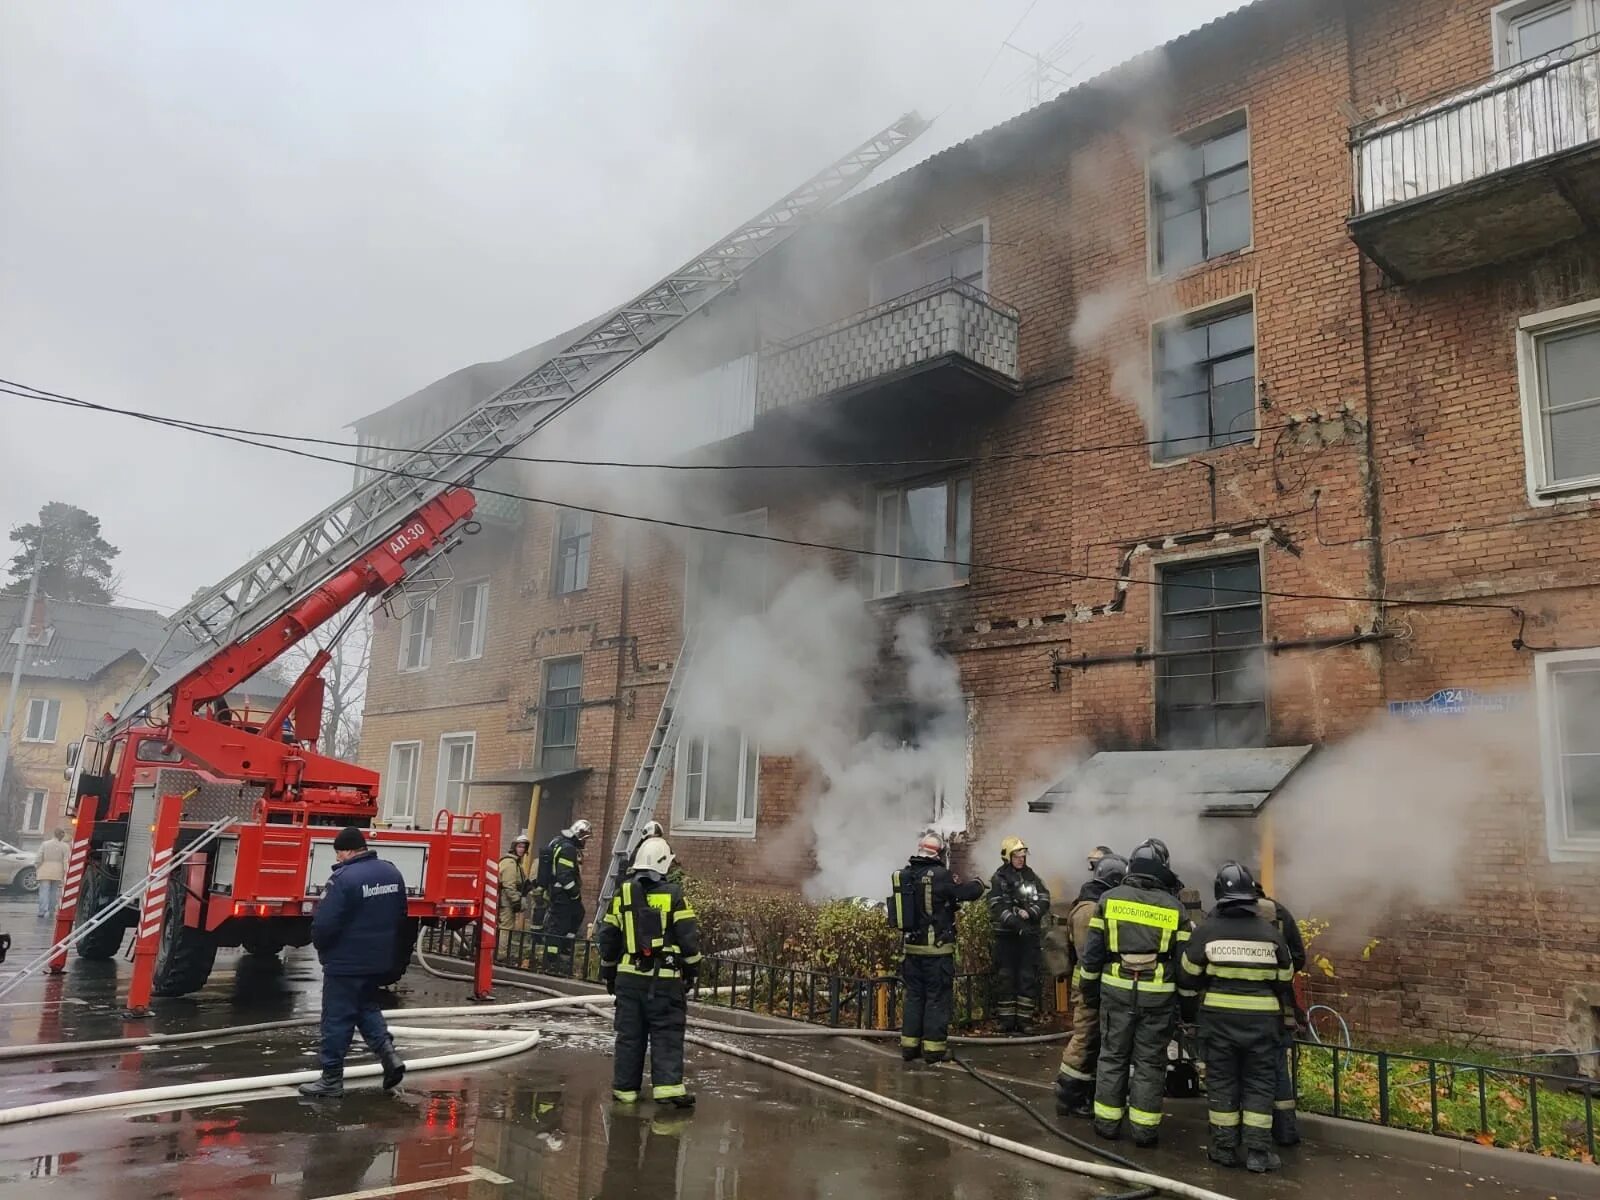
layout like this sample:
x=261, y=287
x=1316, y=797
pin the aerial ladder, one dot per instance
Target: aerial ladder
x=156, y=778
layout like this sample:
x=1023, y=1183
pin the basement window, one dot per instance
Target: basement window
x=1211, y=680
x=558, y=712
x=929, y=525
x=1558, y=365
x=1567, y=684
x=1200, y=196
x=1206, y=382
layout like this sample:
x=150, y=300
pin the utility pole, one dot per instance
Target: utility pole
x=16, y=669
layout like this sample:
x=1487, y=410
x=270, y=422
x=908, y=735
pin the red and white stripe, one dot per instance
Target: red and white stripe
x=75, y=865
x=154, y=894
x=491, y=896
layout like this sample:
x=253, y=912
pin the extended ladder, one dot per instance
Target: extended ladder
x=652, y=775
x=156, y=878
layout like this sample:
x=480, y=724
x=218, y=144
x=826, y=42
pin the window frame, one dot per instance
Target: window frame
x=1531, y=330
x=427, y=611
x=1185, y=561
x=1209, y=314
x=884, y=559
x=414, y=782
x=480, y=620
x=752, y=520
x=583, y=553
x=1560, y=845
x=749, y=792
x=1194, y=137
x=546, y=708
x=441, y=781
x=875, y=272
x=1504, y=18
x=44, y=810
x=52, y=724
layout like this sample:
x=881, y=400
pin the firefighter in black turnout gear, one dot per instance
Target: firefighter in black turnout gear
x=1018, y=902
x=562, y=883
x=1075, y=1075
x=923, y=907
x=1236, y=972
x=650, y=959
x=1285, y=1119
x=1129, y=970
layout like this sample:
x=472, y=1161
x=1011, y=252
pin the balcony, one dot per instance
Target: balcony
x=1508, y=167
x=946, y=344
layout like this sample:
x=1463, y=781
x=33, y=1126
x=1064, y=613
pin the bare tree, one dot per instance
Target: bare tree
x=346, y=679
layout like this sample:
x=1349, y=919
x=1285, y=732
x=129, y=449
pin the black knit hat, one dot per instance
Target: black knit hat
x=350, y=838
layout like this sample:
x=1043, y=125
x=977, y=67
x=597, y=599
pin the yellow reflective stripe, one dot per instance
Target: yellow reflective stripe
x=909, y=1043
x=1257, y=1120
x=662, y=903
x=1284, y=1105
x=1260, y=973
x=1190, y=967
x=1225, y=1119
x=611, y=918
x=564, y=862
x=1097, y=923
x=1156, y=916
x=1111, y=936
x=627, y=918
x=1144, y=985
x=1105, y=1112
x=625, y=1097
x=1183, y=991
x=1183, y=936
x=934, y=1046
x=683, y=914
x=899, y=903
x=691, y=960
x=1074, y=1073
x=919, y=951
x=1286, y=975
x=1140, y=1116
x=667, y=1091
x=1089, y=976
x=1239, y=1003
x=625, y=967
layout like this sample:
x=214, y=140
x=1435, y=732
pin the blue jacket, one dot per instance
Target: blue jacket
x=356, y=929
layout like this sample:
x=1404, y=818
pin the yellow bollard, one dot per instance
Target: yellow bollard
x=881, y=1007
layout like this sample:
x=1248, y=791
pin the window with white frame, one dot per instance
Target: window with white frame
x=961, y=254
x=416, y=636
x=1206, y=381
x=1568, y=686
x=574, y=532
x=1200, y=193
x=1528, y=29
x=455, y=768
x=472, y=617
x=715, y=780
x=36, y=802
x=558, y=712
x=44, y=716
x=928, y=524
x=1558, y=365
x=400, y=782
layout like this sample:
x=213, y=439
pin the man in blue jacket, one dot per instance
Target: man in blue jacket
x=355, y=930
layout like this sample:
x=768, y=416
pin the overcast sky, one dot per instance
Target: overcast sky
x=287, y=214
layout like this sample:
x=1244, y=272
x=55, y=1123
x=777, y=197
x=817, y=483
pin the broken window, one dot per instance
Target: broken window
x=573, y=534
x=961, y=255
x=558, y=713
x=929, y=526
x=1211, y=687
x=1201, y=196
x=1206, y=382
x=944, y=734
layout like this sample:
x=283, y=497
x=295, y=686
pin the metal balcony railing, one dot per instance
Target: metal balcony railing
x=1517, y=117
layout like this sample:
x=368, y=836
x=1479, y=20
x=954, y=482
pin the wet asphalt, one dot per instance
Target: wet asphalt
x=542, y=1126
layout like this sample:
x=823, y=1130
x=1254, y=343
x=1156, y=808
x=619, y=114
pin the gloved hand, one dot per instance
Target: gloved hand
x=1012, y=920
x=691, y=976
x=1091, y=991
x=608, y=976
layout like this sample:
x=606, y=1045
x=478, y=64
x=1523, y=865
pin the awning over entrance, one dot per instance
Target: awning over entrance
x=528, y=776
x=1219, y=783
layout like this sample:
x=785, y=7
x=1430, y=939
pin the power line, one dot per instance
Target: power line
x=776, y=539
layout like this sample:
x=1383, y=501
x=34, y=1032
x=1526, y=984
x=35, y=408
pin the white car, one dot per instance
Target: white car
x=16, y=869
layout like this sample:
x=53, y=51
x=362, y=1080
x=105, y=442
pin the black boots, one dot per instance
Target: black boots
x=1260, y=1161
x=1223, y=1149
x=329, y=1087
x=684, y=1101
x=1074, y=1097
x=394, y=1068
x=1145, y=1138
x=1286, y=1127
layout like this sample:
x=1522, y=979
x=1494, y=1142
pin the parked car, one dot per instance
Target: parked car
x=16, y=869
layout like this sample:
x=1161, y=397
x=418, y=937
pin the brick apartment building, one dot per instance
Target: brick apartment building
x=1247, y=392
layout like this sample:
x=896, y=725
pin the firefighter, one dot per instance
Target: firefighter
x=355, y=928
x=1285, y=1120
x=562, y=883
x=1163, y=873
x=1128, y=970
x=650, y=959
x=1236, y=972
x=1075, y=1076
x=1018, y=901
x=514, y=902
x=923, y=907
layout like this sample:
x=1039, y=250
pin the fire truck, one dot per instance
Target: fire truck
x=199, y=827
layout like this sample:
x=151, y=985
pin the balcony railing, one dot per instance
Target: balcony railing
x=947, y=320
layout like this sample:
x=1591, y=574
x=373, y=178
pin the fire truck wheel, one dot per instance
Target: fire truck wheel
x=185, y=956
x=104, y=942
x=405, y=944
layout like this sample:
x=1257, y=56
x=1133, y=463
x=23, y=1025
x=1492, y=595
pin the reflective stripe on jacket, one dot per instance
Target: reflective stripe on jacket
x=649, y=929
x=1236, y=962
x=1135, y=935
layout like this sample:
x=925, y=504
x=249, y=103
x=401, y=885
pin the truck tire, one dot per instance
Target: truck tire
x=405, y=944
x=185, y=956
x=102, y=943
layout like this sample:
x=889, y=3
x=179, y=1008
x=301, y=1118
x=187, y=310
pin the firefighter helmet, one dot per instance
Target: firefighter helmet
x=1111, y=868
x=652, y=829
x=653, y=856
x=1146, y=861
x=580, y=830
x=522, y=839
x=1097, y=854
x=929, y=845
x=1010, y=846
x=1235, y=885
x=1157, y=848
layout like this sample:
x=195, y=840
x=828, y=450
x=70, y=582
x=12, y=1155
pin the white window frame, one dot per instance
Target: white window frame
x=429, y=613
x=441, y=785
x=749, y=794
x=887, y=569
x=48, y=727
x=1562, y=846
x=43, y=796
x=479, y=589
x=1530, y=330
x=391, y=808
x=1504, y=18
x=876, y=271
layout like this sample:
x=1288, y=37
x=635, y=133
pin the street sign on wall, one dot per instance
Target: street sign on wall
x=1454, y=701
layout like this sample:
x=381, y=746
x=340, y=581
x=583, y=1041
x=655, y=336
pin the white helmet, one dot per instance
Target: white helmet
x=652, y=829
x=522, y=839
x=580, y=830
x=653, y=855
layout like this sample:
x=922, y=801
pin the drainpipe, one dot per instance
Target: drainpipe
x=618, y=711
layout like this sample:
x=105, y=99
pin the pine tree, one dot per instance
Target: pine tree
x=77, y=560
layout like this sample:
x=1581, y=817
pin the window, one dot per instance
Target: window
x=1558, y=357
x=1211, y=688
x=1200, y=192
x=35, y=803
x=1568, y=687
x=455, y=768
x=43, y=718
x=962, y=255
x=416, y=636
x=558, y=712
x=715, y=780
x=942, y=737
x=400, y=782
x=1206, y=382
x=1529, y=29
x=929, y=520
x=472, y=615
x=573, y=530
x=726, y=573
